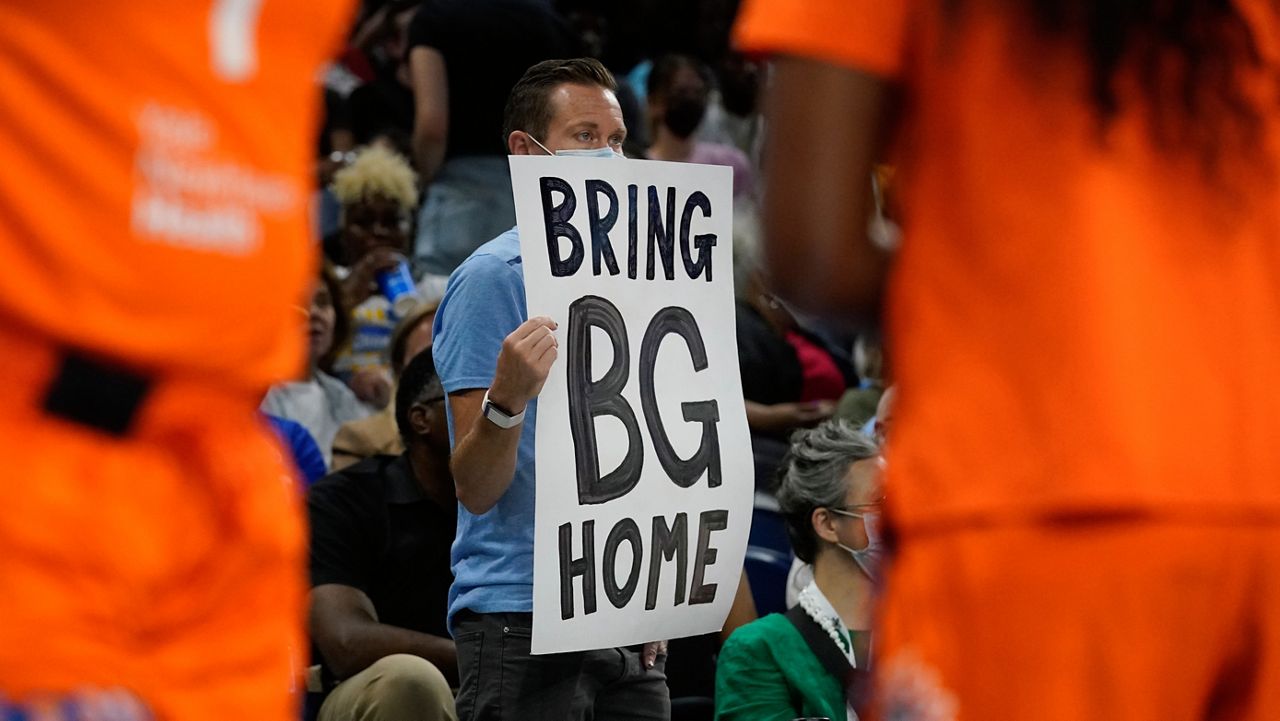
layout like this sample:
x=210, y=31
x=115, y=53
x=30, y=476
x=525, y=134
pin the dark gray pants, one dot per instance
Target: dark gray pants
x=502, y=681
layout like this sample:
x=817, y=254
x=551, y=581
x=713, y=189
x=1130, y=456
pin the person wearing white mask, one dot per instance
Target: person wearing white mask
x=492, y=360
x=877, y=427
x=813, y=660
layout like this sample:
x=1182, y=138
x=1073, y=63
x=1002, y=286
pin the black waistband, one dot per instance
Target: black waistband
x=96, y=394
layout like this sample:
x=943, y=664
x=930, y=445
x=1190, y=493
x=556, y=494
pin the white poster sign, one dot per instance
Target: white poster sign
x=644, y=466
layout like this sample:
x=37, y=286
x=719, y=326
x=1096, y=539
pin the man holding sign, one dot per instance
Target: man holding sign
x=643, y=461
x=493, y=363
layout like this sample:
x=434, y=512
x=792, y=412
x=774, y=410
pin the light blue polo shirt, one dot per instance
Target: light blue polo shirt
x=492, y=555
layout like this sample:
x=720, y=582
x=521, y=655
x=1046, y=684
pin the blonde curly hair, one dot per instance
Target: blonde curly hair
x=377, y=170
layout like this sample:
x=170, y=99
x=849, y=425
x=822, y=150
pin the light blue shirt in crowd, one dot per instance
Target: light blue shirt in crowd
x=492, y=556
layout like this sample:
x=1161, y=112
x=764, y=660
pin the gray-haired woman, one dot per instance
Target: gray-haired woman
x=801, y=664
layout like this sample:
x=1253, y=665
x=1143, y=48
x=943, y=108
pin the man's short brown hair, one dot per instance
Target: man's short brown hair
x=529, y=105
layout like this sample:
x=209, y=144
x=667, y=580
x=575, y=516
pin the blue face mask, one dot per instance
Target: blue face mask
x=870, y=558
x=605, y=152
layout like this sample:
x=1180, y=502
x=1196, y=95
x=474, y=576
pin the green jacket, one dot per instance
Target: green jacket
x=766, y=672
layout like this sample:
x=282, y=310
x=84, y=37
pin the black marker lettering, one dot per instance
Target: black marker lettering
x=590, y=399
x=668, y=543
x=682, y=472
x=556, y=218
x=600, y=227
x=584, y=566
x=704, y=243
x=624, y=530
x=662, y=236
x=708, y=522
x=632, y=231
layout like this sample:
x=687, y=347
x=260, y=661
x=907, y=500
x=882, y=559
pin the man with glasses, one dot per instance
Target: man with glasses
x=813, y=660
x=380, y=537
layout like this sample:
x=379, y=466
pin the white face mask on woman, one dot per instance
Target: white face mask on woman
x=869, y=559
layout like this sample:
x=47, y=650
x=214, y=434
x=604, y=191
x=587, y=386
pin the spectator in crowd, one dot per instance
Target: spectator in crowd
x=678, y=93
x=320, y=402
x=789, y=379
x=306, y=455
x=732, y=115
x=877, y=428
x=493, y=362
x=380, y=537
x=383, y=107
x=1091, y=247
x=804, y=663
x=378, y=434
x=465, y=55
x=377, y=193
x=368, y=101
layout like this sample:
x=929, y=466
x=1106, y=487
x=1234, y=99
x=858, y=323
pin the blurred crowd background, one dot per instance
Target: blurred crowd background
x=411, y=169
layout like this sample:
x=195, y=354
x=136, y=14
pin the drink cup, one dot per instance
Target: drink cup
x=397, y=285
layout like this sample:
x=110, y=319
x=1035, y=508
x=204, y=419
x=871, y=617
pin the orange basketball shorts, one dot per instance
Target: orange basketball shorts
x=166, y=561
x=1134, y=620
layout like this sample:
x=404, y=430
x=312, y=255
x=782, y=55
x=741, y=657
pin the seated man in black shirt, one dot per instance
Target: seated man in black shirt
x=380, y=537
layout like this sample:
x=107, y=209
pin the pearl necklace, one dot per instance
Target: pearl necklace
x=817, y=607
x=813, y=603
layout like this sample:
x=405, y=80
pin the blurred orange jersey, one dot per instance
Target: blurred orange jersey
x=1079, y=323
x=156, y=176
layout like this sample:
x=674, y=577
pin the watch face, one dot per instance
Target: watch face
x=498, y=416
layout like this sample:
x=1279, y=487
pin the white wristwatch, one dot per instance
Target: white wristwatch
x=498, y=415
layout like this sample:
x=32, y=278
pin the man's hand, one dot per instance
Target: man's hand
x=484, y=459
x=361, y=282
x=524, y=363
x=652, y=651
x=346, y=630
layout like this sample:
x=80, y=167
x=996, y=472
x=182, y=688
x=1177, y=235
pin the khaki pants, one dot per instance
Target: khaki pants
x=399, y=687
